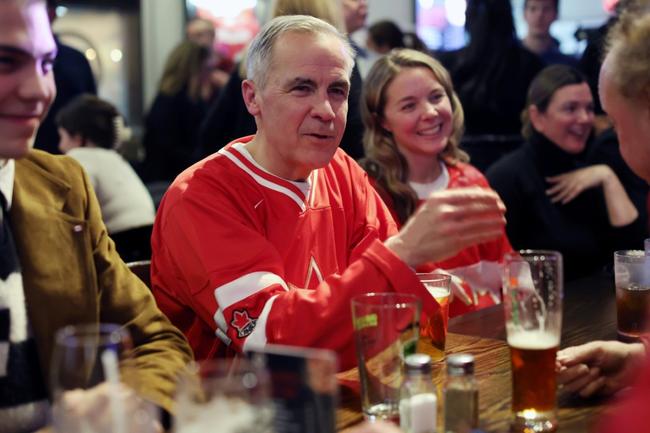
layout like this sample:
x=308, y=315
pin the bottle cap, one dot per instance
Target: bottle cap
x=460, y=364
x=418, y=363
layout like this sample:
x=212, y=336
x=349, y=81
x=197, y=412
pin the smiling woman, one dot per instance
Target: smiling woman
x=554, y=183
x=413, y=125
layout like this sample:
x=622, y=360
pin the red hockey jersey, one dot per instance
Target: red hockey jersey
x=242, y=258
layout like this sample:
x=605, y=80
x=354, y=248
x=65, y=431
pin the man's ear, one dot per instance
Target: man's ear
x=249, y=92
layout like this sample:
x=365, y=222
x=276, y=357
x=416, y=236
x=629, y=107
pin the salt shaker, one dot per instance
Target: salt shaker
x=418, y=400
x=461, y=394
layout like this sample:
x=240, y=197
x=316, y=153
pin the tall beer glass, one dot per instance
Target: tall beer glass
x=532, y=298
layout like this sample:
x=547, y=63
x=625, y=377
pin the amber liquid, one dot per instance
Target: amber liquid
x=533, y=373
x=436, y=328
x=632, y=309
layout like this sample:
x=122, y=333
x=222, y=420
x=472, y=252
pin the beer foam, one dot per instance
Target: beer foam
x=438, y=292
x=533, y=340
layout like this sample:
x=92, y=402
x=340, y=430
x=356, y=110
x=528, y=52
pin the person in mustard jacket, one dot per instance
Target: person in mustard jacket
x=58, y=266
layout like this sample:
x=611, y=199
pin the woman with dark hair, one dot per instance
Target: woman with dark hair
x=491, y=75
x=413, y=125
x=385, y=35
x=556, y=197
x=172, y=125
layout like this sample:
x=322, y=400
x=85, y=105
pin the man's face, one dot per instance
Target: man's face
x=631, y=119
x=355, y=13
x=27, y=52
x=539, y=15
x=301, y=111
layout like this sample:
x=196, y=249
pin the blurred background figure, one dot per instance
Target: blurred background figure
x=172, y=125
x=491, y=75
x=413, y=125
x=91, y=130
x=228, y=118
x=540, y=15
x=556, y=183
x=203, y=32
x=73, y=76
x=385, y=35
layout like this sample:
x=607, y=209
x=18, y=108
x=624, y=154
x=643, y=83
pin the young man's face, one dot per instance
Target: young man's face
x=27, y=51
x=301, y=111
x=539, y=15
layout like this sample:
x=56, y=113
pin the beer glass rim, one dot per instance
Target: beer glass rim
x=629, y=256
x=524, y=254
x=386, y=300
x=91, y=333
x=433, y=277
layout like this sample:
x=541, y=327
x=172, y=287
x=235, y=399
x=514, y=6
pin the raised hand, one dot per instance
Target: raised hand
x=447, y=222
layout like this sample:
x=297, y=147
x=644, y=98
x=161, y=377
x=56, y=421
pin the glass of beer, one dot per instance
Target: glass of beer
x=632, y=276
x=435, y=326
x=532, y=299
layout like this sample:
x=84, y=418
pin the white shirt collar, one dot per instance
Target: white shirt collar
x=7, y=174
x=423, y=190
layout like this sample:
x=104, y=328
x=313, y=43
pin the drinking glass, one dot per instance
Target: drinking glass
x=88, y=363
x=224, y=396
x=632, y=277
x=386, y=330
x=436, y=326
x=532, y=297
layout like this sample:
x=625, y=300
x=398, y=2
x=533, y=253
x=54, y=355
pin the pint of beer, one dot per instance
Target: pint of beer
x=532, y=297
x=435, y=326
x=632, y=275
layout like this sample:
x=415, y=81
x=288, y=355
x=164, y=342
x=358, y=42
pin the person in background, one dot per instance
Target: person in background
x=491, y=75
x=172, y=124
x=552, y=183
x=267, y=240
x=73, y=76
x=228, y=118
x=91, y=130
x=385, y=35
x=540, y=15
x=607, y=367
x=414, y=122
x=202, y=32
x=58, y=266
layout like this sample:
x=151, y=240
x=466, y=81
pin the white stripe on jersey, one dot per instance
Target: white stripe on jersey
x=259, y=179
x=237, y=290
x=257, y=339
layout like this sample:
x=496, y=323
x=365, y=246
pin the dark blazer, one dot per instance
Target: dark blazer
x=73, y=275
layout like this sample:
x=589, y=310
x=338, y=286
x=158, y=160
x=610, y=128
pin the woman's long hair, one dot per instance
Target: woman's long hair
x=383, y=160
x=185, y=68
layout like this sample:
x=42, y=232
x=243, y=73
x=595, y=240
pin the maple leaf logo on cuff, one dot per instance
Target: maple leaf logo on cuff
x=243, y=323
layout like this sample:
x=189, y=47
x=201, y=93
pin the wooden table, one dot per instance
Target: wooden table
x=589, y=314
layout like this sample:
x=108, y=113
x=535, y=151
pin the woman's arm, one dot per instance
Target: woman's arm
x=567, y=186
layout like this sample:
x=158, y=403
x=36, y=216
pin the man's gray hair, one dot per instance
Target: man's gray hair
x=259, y=58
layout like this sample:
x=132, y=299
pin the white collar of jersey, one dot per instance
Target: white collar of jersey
x=423, y=190
x=270, y=180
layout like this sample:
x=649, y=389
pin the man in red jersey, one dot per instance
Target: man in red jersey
x=267, y=240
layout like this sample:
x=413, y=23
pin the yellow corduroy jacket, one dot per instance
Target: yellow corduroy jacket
x=72, y=274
